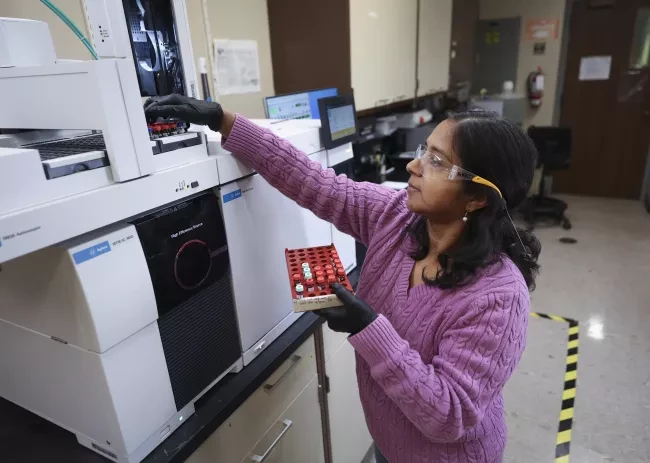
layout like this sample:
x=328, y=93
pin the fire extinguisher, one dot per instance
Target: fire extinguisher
x=535, y=86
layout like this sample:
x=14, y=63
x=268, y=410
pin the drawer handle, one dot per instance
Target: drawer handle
x=295, y=360
x=260, y=458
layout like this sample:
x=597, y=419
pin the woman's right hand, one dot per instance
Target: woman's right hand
x=190, y=110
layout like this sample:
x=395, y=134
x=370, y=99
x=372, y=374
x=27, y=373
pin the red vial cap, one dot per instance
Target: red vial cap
x=320, y=273
x=328, y=267
x=320, y=280
x=340, y=272
x=330, y=272
x=337, y=261
x=317, y=268
x=310, y=282
x=296, y=277
x=331, y=278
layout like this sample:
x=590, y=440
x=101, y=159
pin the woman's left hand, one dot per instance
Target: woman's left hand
x=190, y=110
x=353, y=317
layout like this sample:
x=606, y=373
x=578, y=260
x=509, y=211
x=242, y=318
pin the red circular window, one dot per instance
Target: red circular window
x=192, y=264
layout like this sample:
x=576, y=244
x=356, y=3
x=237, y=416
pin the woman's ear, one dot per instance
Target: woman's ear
x=476, y=203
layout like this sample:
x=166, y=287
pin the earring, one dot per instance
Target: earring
x=465, y=217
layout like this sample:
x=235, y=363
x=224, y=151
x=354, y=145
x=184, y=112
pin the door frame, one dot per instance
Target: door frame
x=561, y=71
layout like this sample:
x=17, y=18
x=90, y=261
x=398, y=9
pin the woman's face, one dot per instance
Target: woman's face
x=439, y=199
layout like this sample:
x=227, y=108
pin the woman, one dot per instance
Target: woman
x=439, y=319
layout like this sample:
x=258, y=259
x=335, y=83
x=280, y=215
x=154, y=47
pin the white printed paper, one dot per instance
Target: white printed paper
x=237, y=67
x=595, y=67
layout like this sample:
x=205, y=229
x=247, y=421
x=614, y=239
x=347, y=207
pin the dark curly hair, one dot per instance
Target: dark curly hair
x=498, y=150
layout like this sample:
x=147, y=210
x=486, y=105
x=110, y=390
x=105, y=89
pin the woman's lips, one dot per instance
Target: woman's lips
x=412, y=188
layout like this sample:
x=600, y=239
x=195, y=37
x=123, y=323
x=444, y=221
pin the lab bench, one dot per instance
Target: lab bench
x=279, y=390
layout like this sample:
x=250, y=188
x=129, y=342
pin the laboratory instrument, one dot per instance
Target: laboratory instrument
x=115, y=334
x=84, y=119
x=261, y=223
x=94, y=202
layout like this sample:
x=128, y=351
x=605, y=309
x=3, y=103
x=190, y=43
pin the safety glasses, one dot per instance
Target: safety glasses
x=433, y=166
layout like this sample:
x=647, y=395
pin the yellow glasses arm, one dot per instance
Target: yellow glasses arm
x=482, y=181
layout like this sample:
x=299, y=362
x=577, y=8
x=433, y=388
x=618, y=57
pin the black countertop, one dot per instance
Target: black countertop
x=28, y=438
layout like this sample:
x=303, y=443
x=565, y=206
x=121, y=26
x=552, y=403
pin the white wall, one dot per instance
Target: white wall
x=67, y=44
x=550, y=61
x=244, y=20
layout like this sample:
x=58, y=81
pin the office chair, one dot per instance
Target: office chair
x=554, y=148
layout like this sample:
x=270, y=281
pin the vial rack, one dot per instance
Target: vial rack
x=311, y=272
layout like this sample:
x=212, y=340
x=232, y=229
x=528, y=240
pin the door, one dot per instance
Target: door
x=497, y=50
x=608, y=106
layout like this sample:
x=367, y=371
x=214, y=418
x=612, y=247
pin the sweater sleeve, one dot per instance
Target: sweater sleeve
x=354, y=208
x=447, y=396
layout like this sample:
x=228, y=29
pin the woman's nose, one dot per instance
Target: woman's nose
x=413, y=167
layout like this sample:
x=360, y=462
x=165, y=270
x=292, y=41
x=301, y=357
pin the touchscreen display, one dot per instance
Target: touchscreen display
x=342, y=121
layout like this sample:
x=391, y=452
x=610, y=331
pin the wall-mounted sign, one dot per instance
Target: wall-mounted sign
x=595, y=67
x=492, y=37
x=236, y=66
x=539, y=48
x=542, y=29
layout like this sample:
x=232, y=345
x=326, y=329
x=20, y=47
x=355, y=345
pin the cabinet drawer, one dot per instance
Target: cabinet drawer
x=297, y=436
x=239, y=433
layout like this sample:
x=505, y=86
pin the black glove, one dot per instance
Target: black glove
x=354, y=316
x=185, y=108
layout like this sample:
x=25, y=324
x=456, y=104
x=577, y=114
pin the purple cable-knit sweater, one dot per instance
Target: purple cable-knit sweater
x=432, y=366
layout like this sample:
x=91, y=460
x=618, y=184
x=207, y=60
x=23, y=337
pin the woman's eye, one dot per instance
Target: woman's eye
x=435, y=161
